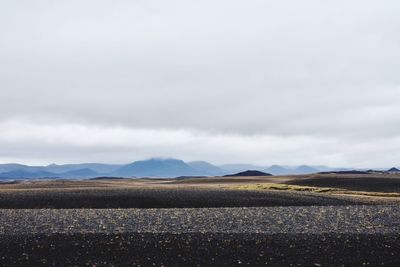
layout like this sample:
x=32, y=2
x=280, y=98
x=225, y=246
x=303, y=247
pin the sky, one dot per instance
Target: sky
x=227, y=81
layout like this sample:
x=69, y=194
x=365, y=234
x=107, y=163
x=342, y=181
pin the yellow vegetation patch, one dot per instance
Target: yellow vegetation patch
x=271, y=186
x=371, y=194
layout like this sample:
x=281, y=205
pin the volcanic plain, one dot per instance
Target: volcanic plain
x=309, y=220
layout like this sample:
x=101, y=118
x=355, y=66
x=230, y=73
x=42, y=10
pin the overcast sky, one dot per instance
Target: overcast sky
x=263, y=82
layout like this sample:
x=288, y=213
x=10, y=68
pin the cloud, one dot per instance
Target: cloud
x=37, y=143
x=310, y=74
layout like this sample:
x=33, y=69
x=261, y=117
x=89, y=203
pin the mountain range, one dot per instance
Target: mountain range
x=162, y=168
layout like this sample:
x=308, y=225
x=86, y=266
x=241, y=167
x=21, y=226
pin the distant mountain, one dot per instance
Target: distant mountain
x=8, y=167
x=278, y=170
x=81, y=173
x=97, y=167
x=248, y=173
x=349, y=172
x=156, y=168
x=304, y=169
x=393, y=170
x=206, y=168
x=240, y=167
x=22, y=174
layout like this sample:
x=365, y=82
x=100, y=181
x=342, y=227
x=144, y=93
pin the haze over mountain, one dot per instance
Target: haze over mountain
x=97, y=167
x=238, y=167
x=206, y=168
x=154, y=167
x=304, y=169
x=81, y=173
x=20, y=174
x=278, y=170
x=9, y=167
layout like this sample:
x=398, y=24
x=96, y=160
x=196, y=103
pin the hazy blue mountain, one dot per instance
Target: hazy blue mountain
x=240, y=167
x=81, y=173
x=322, y=168
x=22, y=174
x=278, y=170
x=148, y=168
x=304, y=169
x=206, y=168
x=97, y=167
x=8, y=167
x=156, y=168
x=58, y=169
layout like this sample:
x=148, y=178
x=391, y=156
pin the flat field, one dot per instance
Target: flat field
x=310, y=220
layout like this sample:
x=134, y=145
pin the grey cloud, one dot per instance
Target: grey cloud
x=325, y=70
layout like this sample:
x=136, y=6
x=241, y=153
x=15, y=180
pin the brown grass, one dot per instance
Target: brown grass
x=330, y=190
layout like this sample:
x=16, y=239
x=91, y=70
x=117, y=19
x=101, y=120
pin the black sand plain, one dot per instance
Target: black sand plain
x=195, y=222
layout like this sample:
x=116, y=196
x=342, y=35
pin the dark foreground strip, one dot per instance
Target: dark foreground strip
x=201, y=249
x=277, y=236
x=112, y=198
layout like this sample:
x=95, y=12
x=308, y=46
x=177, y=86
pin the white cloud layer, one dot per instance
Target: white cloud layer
x=41, y=143
x=256, y=81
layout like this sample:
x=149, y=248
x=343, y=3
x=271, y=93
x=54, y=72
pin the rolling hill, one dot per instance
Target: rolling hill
x=248, y=173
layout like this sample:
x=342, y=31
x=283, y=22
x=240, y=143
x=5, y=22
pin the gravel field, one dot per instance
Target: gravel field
x=176, y=223
x=278, y=236
x=271, y=220
x=354, y=182
x=170, y=198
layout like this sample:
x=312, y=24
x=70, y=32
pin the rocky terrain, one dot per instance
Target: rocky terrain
x=200, y=222
x=284, y=236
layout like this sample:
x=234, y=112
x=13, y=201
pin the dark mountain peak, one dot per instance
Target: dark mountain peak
x=237, y=167
x=249, y=173
x=394, y=170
